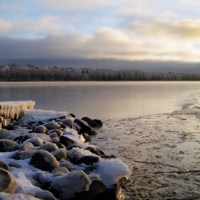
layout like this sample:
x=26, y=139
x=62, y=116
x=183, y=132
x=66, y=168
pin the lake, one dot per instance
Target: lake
x=103, y=99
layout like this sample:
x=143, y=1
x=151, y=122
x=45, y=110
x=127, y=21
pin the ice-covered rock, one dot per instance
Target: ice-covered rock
x=13, y=109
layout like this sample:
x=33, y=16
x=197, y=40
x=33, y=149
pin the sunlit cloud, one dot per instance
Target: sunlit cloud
x=184, y=29
x=5, y=26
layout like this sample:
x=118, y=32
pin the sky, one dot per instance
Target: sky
x=45, y=32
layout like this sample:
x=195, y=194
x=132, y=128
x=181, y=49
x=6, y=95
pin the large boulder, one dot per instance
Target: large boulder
x=8, y=183
x=68, y=186
x=44, y=160
x=8, y=145
x=66, y=141
x=52, y=125
x=83, y=124
x=49, y=147
x=4, y=165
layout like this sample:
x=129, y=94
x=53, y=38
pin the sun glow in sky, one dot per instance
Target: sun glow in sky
x=100, y=29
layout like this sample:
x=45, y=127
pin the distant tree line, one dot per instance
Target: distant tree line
x=13, y=72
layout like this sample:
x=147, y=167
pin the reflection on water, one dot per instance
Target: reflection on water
x=101, y=99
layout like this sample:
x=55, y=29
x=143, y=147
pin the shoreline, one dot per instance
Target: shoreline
x=161, y=150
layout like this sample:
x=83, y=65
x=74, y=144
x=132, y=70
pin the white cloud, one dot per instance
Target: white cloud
x=5, y=26
x=41, y=26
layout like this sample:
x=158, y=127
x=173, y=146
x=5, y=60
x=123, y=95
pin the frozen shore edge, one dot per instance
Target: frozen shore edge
x=48, y=156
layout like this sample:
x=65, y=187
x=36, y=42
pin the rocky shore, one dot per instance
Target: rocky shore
x=52, y=158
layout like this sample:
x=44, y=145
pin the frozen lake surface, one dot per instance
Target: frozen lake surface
x=102, y=99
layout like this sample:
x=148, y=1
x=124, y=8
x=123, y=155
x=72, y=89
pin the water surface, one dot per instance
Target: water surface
x=102, y=99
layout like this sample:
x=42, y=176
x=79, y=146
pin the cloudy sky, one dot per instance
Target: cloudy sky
x=128, y=31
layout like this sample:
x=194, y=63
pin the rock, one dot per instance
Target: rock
x=4, y=134
x=8, y=183
x=45, y=138
x=22, y=155
x=14, y=164
x=44, y=160
x=26, y=146
x=59, y=154
x=98, y=122
x=4, y=196
x=72, y=146
x=68, y=122
x=60, y=145
x=67, y=186
x=92, y=150
x=124, y=181
x=52, y=125
x=89, y=121
x=88, y=160
x=23, y=137
x=92, y=132
x=42, y=179
x=40, y=129
x=8, y=145
x=96, y=189
x=72, y=115
x=49, y=147
x=64, y=170
x=35, y=141
x=67, y=164
x=58, y=174
x=66, y=141
x=83, y=124
x=57, y=131
x=4, y=165
x=87, y=137
x=53, y=134
x=45, y=195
